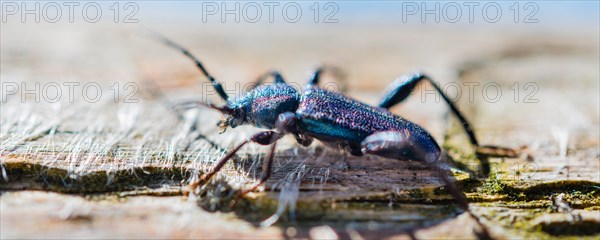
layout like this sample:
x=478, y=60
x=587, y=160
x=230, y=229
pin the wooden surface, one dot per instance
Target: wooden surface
x=118, y=169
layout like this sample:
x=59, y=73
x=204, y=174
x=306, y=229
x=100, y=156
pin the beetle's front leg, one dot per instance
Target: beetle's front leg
x=267, y=168
x=262, y=138
x=286, y=123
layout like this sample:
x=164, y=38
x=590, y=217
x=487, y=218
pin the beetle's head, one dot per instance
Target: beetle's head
x=234, y=114
x=260, y=106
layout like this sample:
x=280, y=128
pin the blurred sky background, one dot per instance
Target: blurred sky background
x=572, y=14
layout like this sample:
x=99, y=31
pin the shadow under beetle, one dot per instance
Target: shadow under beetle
x=332, y=118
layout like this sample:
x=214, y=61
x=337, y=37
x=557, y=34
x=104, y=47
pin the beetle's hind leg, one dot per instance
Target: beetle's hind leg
x=400, y=89
x=402, y=145
x=418, y=146
x=410, y=145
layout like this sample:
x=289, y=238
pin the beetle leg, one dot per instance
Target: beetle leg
x=402, y=145
x=411, y=145
x=419, y=146
x=401, y=88
x=274, y=74
x=267, y=168
x=287, y=123
x=337, y=74
x=262, y=138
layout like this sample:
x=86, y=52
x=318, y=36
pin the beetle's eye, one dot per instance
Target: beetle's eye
x=239, y=115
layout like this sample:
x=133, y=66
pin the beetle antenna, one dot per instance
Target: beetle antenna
x=218, y=87
x=195, y=104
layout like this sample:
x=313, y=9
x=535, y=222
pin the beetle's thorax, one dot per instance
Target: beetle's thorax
x=262, y=105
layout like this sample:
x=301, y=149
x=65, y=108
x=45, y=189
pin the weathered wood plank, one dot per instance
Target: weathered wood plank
x=131, y=149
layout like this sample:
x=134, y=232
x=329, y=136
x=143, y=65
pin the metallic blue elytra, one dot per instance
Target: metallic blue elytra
x=334, y=119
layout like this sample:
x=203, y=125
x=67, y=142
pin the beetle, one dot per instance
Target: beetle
x=332, y=118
